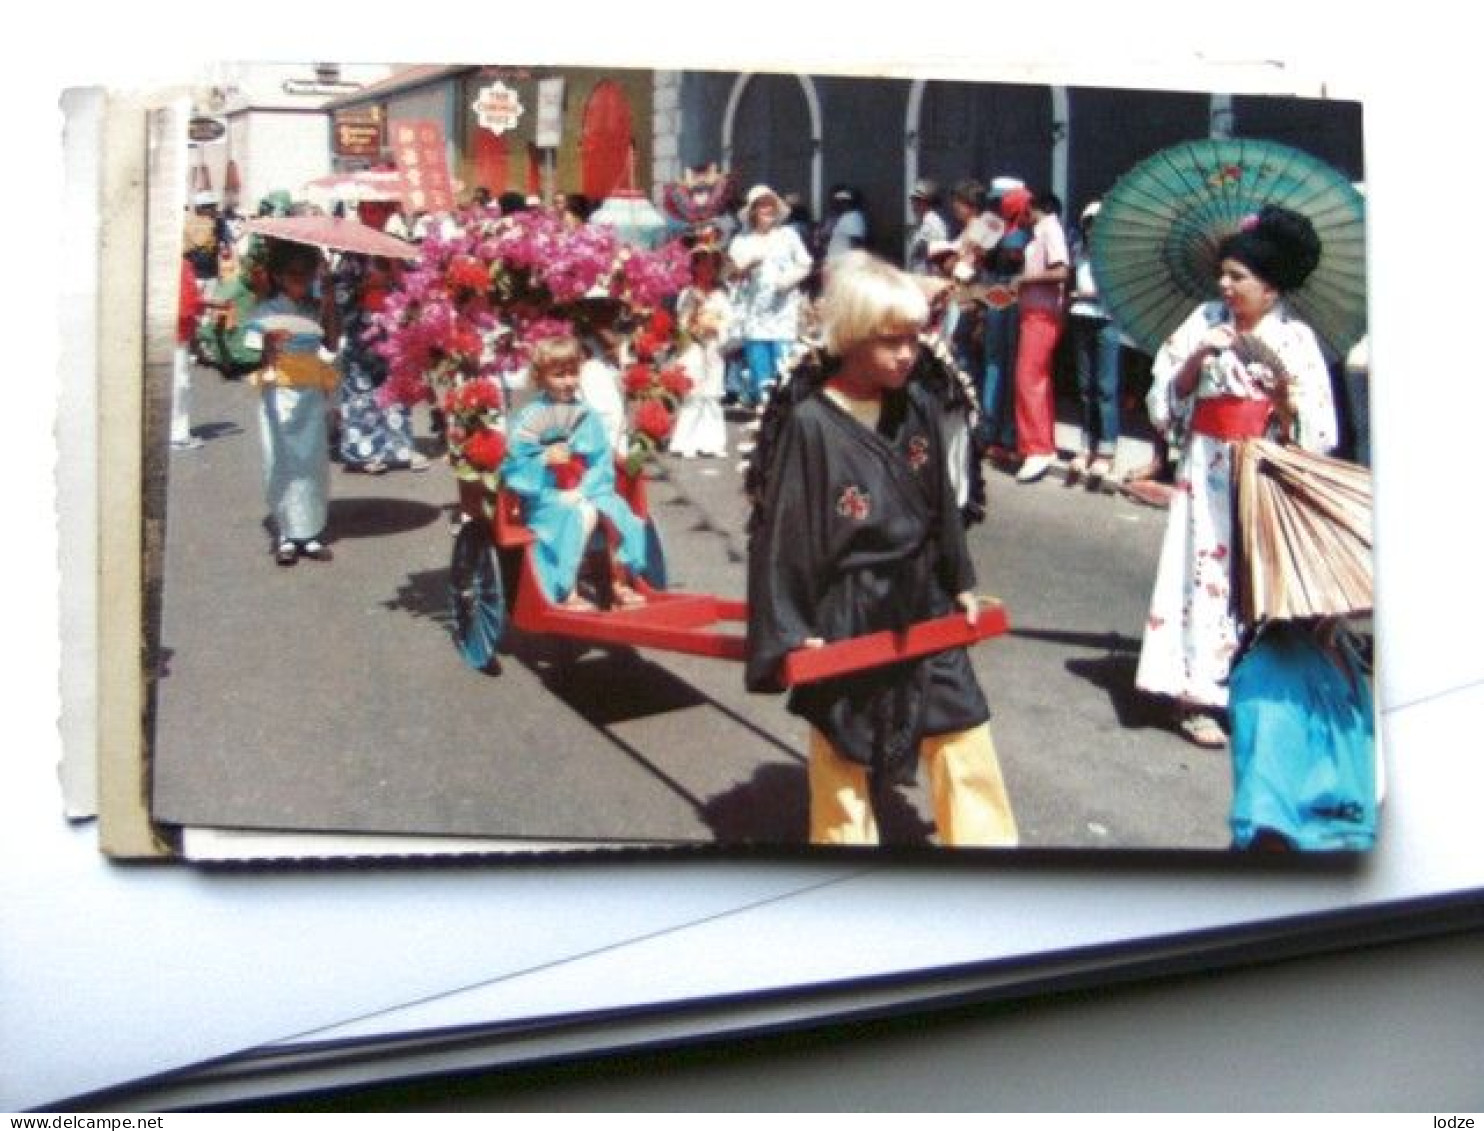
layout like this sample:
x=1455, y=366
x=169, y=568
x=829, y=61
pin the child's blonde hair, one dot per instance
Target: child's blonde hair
x=865, y=296
x=551, y=354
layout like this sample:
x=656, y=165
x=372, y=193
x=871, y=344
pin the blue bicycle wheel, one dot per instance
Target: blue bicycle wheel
x=655, y=570
x=476, y=597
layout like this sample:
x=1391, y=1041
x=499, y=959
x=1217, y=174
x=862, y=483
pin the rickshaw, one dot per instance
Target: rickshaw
x=493, y=584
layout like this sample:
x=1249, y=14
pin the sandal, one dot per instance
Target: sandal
x=1202, y=730
x=317, y=550
x=576, y=603
x=626, y=596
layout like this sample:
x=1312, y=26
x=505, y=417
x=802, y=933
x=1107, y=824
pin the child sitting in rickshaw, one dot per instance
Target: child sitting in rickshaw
x=560, y=465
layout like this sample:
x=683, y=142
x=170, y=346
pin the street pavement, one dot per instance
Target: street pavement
x=329, y=696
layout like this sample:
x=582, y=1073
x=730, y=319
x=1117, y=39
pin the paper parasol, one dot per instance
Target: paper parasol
x=1154, y=248
x=375, y=185
x=333, y=234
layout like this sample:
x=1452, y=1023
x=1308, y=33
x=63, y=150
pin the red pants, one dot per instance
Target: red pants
x=1035, y=408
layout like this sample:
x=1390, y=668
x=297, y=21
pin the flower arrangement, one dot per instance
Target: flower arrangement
x=476, y=301
x=473, y=411
x=653, y=389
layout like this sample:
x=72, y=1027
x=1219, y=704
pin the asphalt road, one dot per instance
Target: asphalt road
x=329, y=697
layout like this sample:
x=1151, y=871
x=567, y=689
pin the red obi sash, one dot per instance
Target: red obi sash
x=1231, y=418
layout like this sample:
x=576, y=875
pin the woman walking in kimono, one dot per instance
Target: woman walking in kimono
x=854, y=529
x=1236, y=369
x=294, y=381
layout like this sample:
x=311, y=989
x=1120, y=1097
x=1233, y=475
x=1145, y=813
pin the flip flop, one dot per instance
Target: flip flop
x=1203, y=730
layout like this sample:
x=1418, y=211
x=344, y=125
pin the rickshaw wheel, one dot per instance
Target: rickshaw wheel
x=476, y=597
x=655, y=570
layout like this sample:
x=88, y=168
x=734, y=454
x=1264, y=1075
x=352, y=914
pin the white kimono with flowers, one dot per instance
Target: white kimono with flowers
x=1191, y=633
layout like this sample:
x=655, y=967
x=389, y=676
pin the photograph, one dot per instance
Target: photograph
x=583, y=457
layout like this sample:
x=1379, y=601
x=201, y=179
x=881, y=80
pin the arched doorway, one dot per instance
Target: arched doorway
x=607, y=138
x=771, y=134
x=984, y=130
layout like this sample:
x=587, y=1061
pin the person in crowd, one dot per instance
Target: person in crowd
x=845, y=226
x=204, y=232
x=1039, y=289
x=292, y=325
x=188, y=312
x=1097, y=349
x=561, y=465
x=373, y=437
x=1303, y=742
x=1237, y=368
x=928, y=228
x=704, y=313
x=853, y=530
x=576, y=209
x=999, y=320
x=770, y=264
x=511, y=202
x=604, y=325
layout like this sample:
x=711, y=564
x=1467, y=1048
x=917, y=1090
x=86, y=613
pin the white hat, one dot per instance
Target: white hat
x=1092, y=209
x=757, y=193
x=1001, y=185
x=205, y=198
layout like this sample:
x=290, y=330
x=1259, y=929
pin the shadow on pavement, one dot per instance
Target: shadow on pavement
x=370, y=517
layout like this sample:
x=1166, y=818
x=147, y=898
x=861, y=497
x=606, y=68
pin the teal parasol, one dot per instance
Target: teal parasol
x=1154, y=248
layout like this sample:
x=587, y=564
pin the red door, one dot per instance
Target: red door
x=607, y=134
x=491, y=161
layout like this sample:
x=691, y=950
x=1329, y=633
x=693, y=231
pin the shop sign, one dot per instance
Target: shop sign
x=498, y=108
x=358, y=133
x=202, y=130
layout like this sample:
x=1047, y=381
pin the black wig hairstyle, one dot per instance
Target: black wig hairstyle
x=1281, y=247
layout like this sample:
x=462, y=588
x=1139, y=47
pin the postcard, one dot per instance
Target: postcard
x=575, y=456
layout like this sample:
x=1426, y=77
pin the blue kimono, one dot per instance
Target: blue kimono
x=1303, y=745
x=557, y=524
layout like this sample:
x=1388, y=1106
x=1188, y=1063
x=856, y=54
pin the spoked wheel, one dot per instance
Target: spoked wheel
x=655, y=570
x=476, y=597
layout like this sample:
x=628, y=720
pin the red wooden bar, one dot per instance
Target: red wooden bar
x=700, y=624
x=876, y=649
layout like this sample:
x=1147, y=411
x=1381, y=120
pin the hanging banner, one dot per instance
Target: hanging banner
x=550, y=95
x=422, y=158
x=498, y=108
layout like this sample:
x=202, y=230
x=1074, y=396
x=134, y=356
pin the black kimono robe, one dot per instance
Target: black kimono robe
x=857, y=532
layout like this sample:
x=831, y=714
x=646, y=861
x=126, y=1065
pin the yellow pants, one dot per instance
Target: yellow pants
x=970, y=804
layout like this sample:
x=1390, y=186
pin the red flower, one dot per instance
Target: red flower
x=466, y=273
x=486, y=450
x=653, y=420
x=676, y=382
x=466, y=342
x=661, y=324
x=474, y=397
x=568, y=476
x=648, y=344
x=638, y=381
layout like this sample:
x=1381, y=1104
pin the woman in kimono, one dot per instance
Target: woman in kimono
x=374, y=437
x=854, y=529
x=1237, y=369
x=292, y=326
x=560, y=463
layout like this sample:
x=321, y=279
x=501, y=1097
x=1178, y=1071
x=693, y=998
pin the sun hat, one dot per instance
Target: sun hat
x=757, y=194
